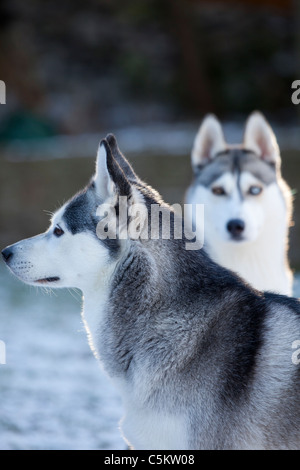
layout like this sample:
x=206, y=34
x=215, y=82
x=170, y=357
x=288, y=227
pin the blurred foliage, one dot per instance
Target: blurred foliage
x=83, y=65
x=78, y=67
x=25, y=125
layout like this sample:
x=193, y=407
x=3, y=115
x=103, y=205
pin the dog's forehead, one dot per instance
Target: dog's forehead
x=235, y=160
x=79, y=213
x=263, y=171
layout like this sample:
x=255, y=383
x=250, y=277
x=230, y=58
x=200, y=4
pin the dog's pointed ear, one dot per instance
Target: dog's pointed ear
x=208, y=141
x=109, y=178
x=260, y=138
x=119, y=157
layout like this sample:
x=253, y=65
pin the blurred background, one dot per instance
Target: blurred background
x=148, y=72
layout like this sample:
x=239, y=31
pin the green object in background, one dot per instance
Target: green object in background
x=25, y=125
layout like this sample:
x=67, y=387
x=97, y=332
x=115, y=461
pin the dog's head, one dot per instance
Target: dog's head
x=236, y=183
x=84, y=242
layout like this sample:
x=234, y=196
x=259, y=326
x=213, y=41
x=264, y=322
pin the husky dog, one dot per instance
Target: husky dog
x=248, y=206
x=202, y=360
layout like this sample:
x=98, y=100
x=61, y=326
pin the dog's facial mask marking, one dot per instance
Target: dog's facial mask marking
x=233, y=179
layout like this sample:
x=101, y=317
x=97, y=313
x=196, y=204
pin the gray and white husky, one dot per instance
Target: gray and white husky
x=202, y=360
x=248, y=205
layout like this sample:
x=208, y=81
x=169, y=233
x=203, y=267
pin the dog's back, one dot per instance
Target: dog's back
x=207, y=363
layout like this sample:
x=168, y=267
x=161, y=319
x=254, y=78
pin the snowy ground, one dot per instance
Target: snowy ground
x=54, y=394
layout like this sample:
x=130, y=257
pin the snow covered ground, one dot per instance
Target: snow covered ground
x=53, y=393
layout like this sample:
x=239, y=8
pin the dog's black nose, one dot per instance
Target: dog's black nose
x=236, y=227
x=7, y=254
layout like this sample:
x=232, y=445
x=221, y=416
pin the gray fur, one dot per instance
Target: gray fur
x=209, y=347
x=200, y=336
x=79, y=213
x=235, y=160
x=188, y=339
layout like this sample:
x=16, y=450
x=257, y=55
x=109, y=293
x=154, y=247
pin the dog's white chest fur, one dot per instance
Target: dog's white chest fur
x=150, y=430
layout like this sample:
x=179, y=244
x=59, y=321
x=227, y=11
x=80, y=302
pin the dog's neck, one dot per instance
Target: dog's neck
x=155, y=276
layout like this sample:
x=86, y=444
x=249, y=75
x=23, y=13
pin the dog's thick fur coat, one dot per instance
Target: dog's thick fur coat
x=201, y=360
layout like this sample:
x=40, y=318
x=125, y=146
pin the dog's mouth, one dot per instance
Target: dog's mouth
x=47, y=279
x=237, y=238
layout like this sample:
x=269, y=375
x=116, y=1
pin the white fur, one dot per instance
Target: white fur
x=209, y=140
x=260, y=138
x=144, y=429
x=105, y=186
x=228, y=207
x=95, y=298
x=70, y=257
x=261, y=258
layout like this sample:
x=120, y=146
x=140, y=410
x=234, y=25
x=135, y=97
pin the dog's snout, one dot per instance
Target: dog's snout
x=236, y=227
x=7, y=254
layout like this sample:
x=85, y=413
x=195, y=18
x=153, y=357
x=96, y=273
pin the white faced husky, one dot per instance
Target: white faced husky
x=202, y=360
x=248, y=206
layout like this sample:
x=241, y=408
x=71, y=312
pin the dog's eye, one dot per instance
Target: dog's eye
x=218, y=191
x=255, y=190
x=58, y=232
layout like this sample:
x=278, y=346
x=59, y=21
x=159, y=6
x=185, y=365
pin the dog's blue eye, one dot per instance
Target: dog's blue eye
x=58, y=232
x=255, y=190
x=218, y=191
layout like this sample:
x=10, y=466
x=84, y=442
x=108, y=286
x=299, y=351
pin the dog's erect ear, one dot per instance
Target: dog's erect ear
x=208, y=142
x=260, y=138
x=119, y=157
x=109, y=178
x=111, y=182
